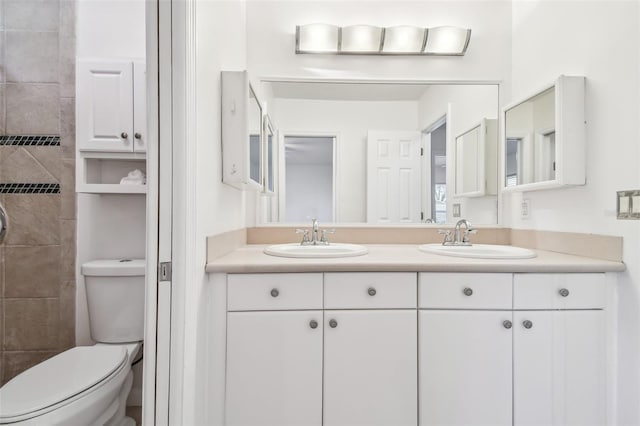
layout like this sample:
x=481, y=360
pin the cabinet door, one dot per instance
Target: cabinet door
x=559, y=368
x=139, y=107
x=465, y=368
x=274, y=368
x=370, y=368
x=105, y=106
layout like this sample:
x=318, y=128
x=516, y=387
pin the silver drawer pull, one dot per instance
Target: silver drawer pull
x=275, y=292
x=333, y=323
x=467, y=291
x=527, y=324
x=313, y=324
x=371, y=291
x=563, y=292
x=507, y=324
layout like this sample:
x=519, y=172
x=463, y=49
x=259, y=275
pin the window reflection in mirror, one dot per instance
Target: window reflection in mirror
x=530, y=135
x=255, y=126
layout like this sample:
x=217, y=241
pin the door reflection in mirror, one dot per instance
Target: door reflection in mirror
x=309, y=172
x=438, y=169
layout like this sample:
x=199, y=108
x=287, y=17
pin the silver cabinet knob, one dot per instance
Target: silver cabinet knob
x=137, y=135
x=371, y=291
x=313, y=324
x=333, y=323
x=467, y=291
x=527, y=324
x=124, y=135
x=275, y=292
x=563, y=292
x=507, y=324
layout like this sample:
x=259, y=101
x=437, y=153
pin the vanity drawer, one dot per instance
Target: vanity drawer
x=464, y=291
x=272, y=292
x=374, y=290
x=559, y=291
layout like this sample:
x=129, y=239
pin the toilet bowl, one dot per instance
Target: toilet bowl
x=87, y=385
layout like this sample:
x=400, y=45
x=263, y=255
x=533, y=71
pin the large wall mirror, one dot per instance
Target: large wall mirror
x=378, y=153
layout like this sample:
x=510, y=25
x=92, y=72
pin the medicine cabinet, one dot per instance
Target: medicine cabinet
x=545, y=138
x=475, y=160
x=241, y=132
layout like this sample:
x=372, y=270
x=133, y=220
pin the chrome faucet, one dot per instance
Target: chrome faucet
x=458, y=239
x=313, y=239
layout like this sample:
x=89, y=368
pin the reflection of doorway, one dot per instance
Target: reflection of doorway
x=435, y=172
x=309, y=177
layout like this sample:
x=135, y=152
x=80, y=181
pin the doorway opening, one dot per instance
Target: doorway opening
x=309, y=178
x=435, y=172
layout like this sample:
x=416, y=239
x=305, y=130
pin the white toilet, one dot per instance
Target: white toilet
x=87, y=385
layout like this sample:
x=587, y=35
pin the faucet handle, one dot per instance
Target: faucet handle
x=324, y=235
x=447, y=235
x=465, y=236
x=305, y=235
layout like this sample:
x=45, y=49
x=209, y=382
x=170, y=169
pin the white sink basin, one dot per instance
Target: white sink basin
x=479, y=251
x=318, y=251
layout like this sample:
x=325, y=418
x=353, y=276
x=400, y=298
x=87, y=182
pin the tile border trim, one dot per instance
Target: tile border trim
x=29, y=188
x=30, y=140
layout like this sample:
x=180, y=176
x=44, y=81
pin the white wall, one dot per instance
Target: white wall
x=349, y=121
x=467, y=106
x=110, y=28
x=600, y=40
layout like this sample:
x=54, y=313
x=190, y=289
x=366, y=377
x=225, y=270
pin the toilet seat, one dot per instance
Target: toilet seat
x=60, y=380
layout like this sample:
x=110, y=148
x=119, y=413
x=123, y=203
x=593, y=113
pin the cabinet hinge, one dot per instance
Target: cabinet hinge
x=421, y=152
x=164, y=271
x=421, y=216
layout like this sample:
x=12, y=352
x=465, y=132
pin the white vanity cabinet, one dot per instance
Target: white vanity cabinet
x=559, y=357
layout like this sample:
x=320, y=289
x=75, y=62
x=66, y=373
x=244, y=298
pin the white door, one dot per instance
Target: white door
x=393, y=177
x=559, y=368
x=105, y=106
x=274, y=368
x=465, y=368
x=370, y=368
x=139, y=107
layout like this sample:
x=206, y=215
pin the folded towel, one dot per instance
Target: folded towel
x=135, y=177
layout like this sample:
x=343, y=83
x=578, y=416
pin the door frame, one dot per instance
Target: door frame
x=282, y=195
x=427, y=193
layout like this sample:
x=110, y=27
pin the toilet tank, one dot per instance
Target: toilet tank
x=115, y=299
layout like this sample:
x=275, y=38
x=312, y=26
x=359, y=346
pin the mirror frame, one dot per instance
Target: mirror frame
x=260, y=137
x=268, y=127
x=486, y=160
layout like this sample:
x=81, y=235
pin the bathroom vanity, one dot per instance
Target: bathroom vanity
x=401, y=337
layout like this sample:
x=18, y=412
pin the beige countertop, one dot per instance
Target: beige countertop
x=407, y=258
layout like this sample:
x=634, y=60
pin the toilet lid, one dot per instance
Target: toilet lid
x=59, y=378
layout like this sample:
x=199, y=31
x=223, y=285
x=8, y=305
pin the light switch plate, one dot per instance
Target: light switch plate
x=525, y=209
x=628, y=204
x=456, y=210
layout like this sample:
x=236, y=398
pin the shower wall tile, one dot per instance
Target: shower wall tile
x=20, y=166
x=2, y=98
x=68, y=203
x=67, y=49
x=16, y=362
x=34, y=219
x=32, y=272
x=68, y=128
x=31, y=324
x=31, y=56
x=67, y=333
x=34, y=15
x=32, y=109
x=49, y=159
x=67, y=256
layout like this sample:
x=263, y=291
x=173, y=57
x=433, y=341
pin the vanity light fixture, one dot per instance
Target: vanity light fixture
x=317, y=38
x=404, y=39
x=360, y=39
x=372, y=40
x=447, y=41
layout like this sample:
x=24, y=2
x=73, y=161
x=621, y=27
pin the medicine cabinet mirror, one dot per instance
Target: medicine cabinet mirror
x=359, y=151
x=544, y=138
x=476, y=160
x=241, y=132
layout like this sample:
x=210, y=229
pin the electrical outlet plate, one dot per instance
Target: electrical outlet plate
x=525, y=209
x=456, y=210
x=628, y=204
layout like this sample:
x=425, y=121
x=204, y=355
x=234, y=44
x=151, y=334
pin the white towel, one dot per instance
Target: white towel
x=135, y=177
